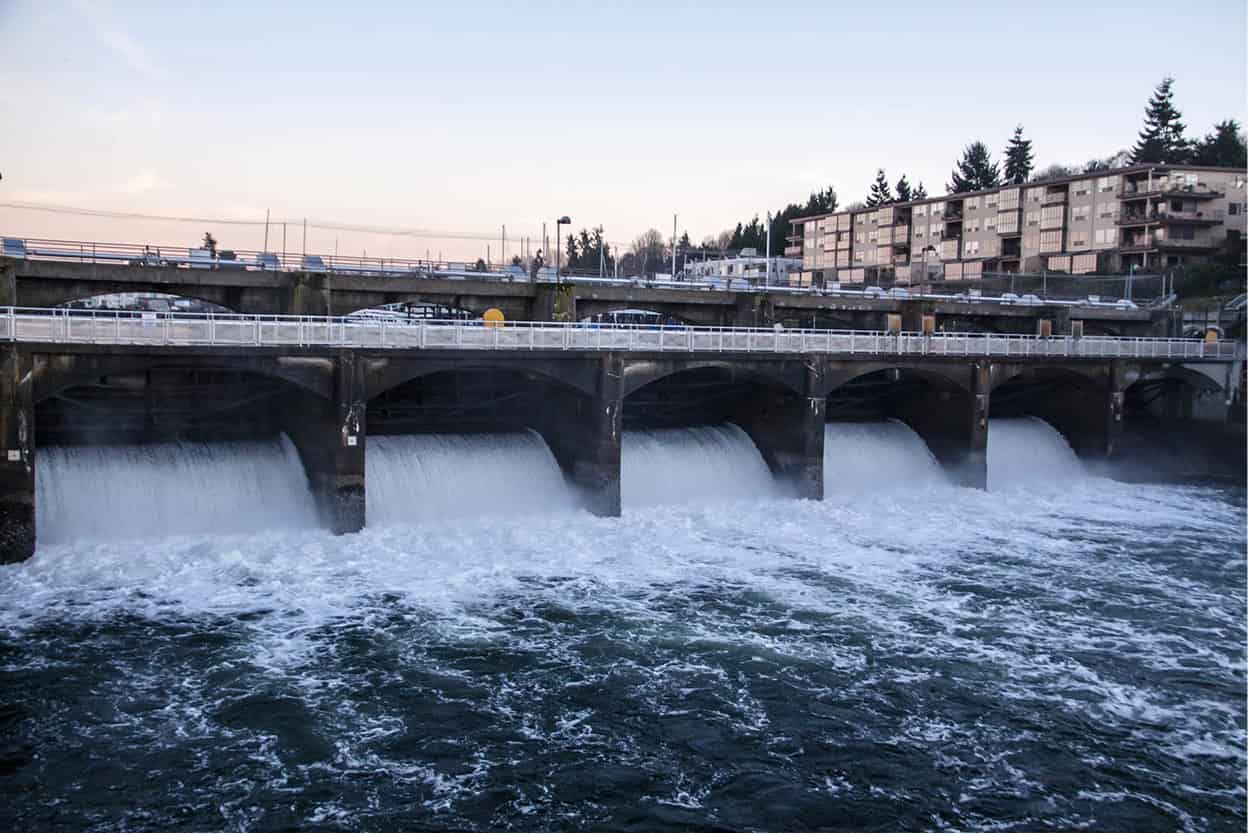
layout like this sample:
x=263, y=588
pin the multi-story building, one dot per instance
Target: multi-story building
x=1142, y=217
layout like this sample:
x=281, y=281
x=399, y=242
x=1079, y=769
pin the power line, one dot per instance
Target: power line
x=391, y=231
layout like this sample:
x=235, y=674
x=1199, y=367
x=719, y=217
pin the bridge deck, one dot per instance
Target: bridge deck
x=182, y=329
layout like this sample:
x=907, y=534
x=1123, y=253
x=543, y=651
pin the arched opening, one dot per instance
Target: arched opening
x=169, y=450
x=413, y=312
x=636, y=317
x=718, y=431
x=1175, y=425
x=934, y=407
x=154, y=302
x=1073, y=403
x=470, y=441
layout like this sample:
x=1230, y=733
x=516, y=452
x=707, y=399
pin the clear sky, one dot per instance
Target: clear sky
x=466, y=116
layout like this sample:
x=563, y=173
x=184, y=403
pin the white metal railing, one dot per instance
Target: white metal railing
x=23, y=324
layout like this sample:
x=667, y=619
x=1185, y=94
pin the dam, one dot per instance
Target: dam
x=331, y=388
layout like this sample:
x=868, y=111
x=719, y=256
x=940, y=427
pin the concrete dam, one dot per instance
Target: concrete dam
x=334, y=388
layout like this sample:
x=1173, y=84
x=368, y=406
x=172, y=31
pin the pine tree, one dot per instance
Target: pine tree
x=920, y=193
x=975, y=170
x=1224, y=147
x=1018, y=158
x=881, y=194
x=904, y=192
x=210, y=243
x=1161, y=140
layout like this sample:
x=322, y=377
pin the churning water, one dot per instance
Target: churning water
x=1065, y=652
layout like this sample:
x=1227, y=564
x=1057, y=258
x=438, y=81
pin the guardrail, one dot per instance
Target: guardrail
x=229, y=330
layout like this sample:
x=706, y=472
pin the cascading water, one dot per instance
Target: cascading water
x=1027, y=451
x=703, y=463
x=126, y=492
x=876, y=456
x=428, y=477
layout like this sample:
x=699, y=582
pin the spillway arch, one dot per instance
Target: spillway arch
x=387, y=373
x=786, y=376
x=51, y=375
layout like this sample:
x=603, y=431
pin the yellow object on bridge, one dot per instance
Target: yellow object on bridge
x=493, y=317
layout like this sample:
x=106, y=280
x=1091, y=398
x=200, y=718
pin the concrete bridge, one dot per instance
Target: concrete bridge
x=26, y=282
x=77, y=379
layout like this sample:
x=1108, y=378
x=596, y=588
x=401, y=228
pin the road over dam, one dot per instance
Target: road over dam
x=50, y=283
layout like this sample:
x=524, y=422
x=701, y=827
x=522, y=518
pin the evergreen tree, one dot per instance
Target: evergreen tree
x=210, y=243
x=975, y=170
x=904, y=192
x=920, y=193
x=1162, y=140
x=1018, y=158
x=881, y=194
x=1224, y=147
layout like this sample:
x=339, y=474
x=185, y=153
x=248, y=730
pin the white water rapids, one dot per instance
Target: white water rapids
x=126, y=492
x=1063, y=651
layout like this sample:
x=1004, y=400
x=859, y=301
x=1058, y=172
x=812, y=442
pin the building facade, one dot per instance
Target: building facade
x=748, y=265
x=1142, y=217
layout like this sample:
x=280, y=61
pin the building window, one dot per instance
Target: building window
x=1232, y=208
x=1033, y=218
x=1079, y=213
x=1080, y=242
x=934, y=230
x=972, y=203
x=918, y=231
x=1083, y=187
x=1107, y=236
x=990, y=223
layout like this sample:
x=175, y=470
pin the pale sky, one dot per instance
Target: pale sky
x=465, y=116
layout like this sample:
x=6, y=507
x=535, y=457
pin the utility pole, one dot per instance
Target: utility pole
x=503, y=257
x=305, y=237
x=674, y=244
x=266, y=230
x=767, y=259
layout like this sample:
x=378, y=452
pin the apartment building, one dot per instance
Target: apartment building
x=1142, y=217
x=748, y=265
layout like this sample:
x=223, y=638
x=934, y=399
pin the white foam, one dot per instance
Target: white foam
x=121, y=492
x=692, y=465
x=430, y=477
x=880, y=456
x=1026, y=452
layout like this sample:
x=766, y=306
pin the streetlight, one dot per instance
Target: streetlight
x=562, y=221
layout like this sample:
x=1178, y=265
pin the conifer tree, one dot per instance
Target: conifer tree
x=920, y=192
x=1224, y=147
x=1162, y=139
x=904, y=192
x=975, y=171
x=1018, y=158
x=881, y=194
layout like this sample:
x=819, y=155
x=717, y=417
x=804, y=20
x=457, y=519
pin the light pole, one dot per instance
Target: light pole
x=562, y=221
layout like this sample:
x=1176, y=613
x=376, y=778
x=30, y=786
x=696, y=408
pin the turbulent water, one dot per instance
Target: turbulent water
x=1064, y=651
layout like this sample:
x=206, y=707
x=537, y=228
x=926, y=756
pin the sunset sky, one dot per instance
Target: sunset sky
x=462, y=117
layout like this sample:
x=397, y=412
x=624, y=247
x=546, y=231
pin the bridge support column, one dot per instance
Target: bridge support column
x=554, y=302
x=308, y=294
x=584, y=433
x=1115, y=395
x=17, y=457
x=954, y=424
x=331, y=438
x=8, y=286
x=788, y=430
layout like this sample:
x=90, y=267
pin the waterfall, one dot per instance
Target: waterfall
x=424, y=478
x=704, y=463
x=885, y=455
x=145, y=491
x=1026, y=450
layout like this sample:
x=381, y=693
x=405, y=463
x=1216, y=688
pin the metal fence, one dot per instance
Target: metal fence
x=187, y=329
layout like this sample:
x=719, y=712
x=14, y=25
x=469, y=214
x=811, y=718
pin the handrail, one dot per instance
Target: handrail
x=124, y=327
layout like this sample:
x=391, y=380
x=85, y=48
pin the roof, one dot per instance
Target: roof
x=1108, y=172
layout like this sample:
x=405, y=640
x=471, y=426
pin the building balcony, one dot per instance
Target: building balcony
x=1053, y=198
x=1177, y=218
x=1141, y=191
x=793, y=251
